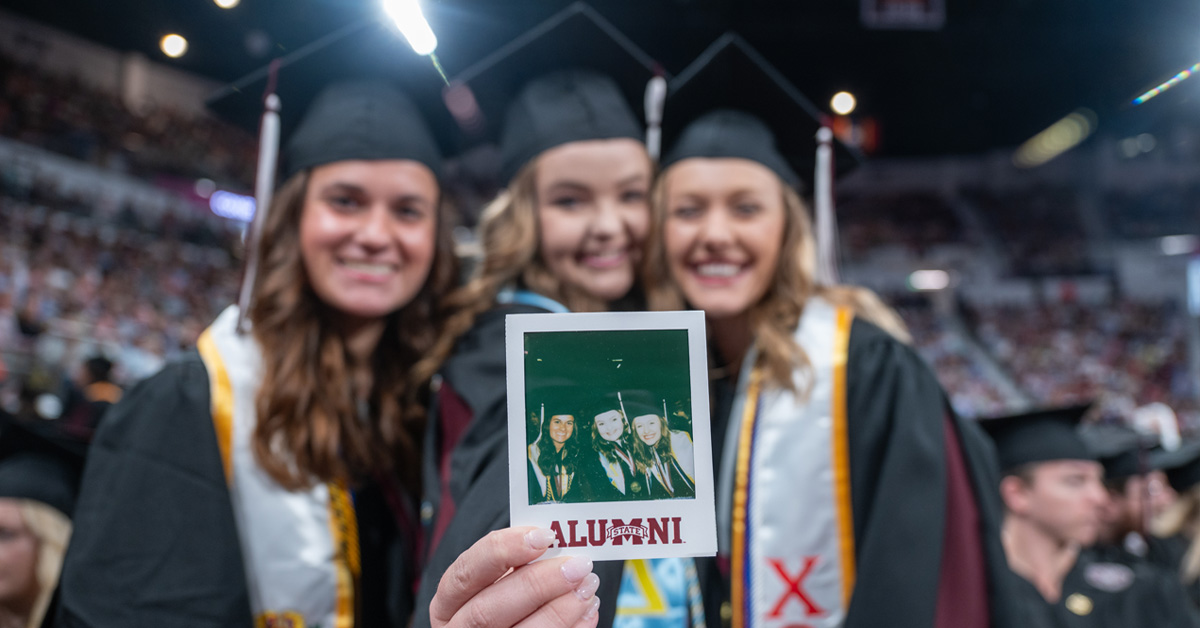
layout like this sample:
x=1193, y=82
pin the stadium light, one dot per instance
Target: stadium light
x=843, y=103
x=1057, y=139
x=232, y=206
x=410, y=21
x=173, y=45
x=227, y=4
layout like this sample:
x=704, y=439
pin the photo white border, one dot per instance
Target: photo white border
x=697, y=516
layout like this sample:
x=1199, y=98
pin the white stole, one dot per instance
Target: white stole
x=785, y=517
x=300, y=547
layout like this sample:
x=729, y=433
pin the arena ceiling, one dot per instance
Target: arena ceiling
x=998, y=72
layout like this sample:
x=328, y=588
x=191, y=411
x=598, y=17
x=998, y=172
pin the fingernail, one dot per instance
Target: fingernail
x=593, y=608
x=540, y=538
x=588, y=587
x=576, y=568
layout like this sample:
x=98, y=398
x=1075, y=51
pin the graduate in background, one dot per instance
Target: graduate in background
x=848, y=494
x=554, y=461
x=566, y=234
x=1053, y=494
x=39, y=482
x=1179, y=525
x=269, y=477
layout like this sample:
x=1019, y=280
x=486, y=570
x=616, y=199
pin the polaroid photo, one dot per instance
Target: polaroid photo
x=608, y=433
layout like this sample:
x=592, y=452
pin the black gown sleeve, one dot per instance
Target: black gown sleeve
x=895, y=410
x=155, y=542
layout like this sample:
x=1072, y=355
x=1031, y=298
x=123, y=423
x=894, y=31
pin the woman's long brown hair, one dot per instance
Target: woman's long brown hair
x=309, y=428
x=775, y=317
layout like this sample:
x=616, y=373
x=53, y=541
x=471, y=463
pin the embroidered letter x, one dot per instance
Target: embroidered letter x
x=794, y=587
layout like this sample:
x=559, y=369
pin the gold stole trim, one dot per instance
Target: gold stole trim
x=740, y=494
x=344, y=526
x=221, y=393
x=841, y=452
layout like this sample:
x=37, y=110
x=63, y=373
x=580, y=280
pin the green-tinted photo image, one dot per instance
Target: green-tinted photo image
x=609, y=416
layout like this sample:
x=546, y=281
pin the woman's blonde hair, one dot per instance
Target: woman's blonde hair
x=775, y=317
x=52, y=529
x=308, y=418
x=1183, y=518
x=510, y=236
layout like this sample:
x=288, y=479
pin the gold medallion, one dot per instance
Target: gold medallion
x=1079, y=604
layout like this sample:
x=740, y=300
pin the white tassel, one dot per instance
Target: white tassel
x=826, y=223
x=656, y=98
x=264, y=187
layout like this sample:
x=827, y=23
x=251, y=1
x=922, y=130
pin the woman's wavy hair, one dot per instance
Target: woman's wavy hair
x=775, y=317
x=309, y=426
x=547, y=457
x=510, y=237
x=1182, y=518
x=52, y=529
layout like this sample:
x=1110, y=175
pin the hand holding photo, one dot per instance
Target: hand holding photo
x=609, y=433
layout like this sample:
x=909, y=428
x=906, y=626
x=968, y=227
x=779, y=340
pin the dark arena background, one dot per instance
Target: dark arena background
x=1029, y=197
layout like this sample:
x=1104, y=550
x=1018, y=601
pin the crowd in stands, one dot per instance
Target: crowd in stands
x=75, y=283
x=1039, y=228
x=916, y=221
x=1126, y=354
x=1169, y=210
x=973, y=393
x=64, y=115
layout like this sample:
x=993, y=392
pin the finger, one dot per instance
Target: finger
x=489, y=559
x=526, y=590
x=580, y=607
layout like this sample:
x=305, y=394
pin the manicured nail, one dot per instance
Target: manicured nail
x=576, y=568
x=593, y=609
x=588, y=587
x=540, y=538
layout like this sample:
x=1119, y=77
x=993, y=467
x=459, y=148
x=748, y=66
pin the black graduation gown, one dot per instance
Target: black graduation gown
x=679, y=482
x=600, y=487
x=897, y=411
x=155, y=541
x=1101, y=594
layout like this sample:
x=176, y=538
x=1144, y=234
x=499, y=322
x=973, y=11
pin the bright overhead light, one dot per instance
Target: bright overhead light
x=227, y=4
x=1057, y=139
x=1179, y=244
x=929, y=280
x=408, y=18
x=173, y=45
x=843, y=103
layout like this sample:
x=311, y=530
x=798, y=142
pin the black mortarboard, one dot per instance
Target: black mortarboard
x=1122, y=450
x=1038, y=436
x=1182, y=466
x=730, y=102
x=38, y=465
x=358, y=93
x=640, y=403
x=571, y=78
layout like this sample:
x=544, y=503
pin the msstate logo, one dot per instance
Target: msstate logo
x=599, y=532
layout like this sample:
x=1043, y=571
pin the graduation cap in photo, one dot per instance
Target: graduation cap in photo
x=39, y=465
x=358, y=93
x=571, y=78
x=731, y=102
x=1182, y=465
x=640, y=403
x=1123, y=451
x=1038, y=436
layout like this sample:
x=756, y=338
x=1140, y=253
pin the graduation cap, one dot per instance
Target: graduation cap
x=640, y=403
x=1038, y=436
x=730, y=102
x=569, y=79
x=1182, y=465
x=357, y=93
x=38, y=465
x=1122, y=450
